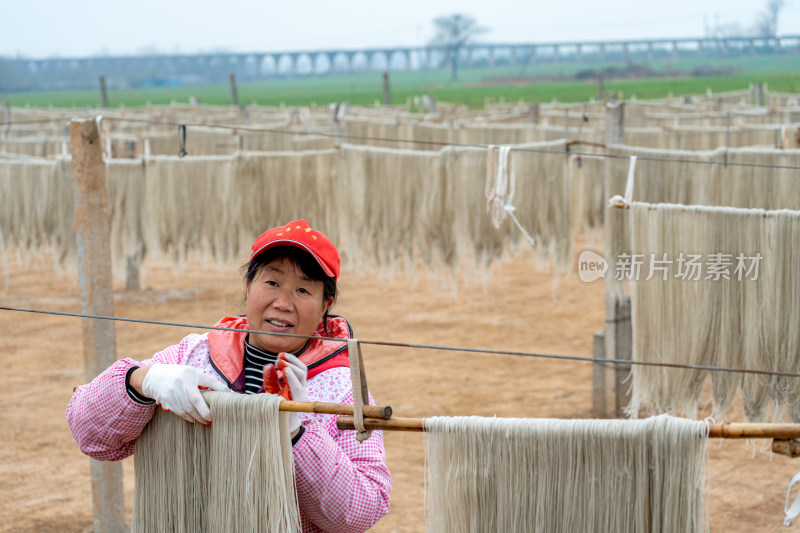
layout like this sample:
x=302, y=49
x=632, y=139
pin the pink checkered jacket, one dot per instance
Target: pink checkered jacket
x=341, y=485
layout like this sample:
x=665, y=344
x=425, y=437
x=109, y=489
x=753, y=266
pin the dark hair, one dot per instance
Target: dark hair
x=304, y=261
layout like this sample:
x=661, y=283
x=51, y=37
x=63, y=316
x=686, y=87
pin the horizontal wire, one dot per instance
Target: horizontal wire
x=251, y=129
x=420, y=346
x=446, y=144
x=34, y=121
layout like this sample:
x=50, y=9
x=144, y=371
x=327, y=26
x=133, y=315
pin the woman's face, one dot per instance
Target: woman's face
x=282, y=299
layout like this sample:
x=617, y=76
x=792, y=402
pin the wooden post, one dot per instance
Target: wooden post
x=92, y=230
x=7, y=115
x=759, y=98
x=103, y=92
x=615, y=123
x=618, y=345
x=599, y=376
x=132, y=273
x=623, y=345
x=534, y=113
x=234, y=91
x=618, y=333
x=387, y=93
x=601, y=91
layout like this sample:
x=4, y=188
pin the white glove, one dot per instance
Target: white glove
x=295, y=372
x=176, y=389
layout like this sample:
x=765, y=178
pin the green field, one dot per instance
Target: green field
x=532, y=83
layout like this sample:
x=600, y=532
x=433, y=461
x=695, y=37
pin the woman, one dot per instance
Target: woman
x=290, y=287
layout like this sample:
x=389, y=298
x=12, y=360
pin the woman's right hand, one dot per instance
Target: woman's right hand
x=177, y=388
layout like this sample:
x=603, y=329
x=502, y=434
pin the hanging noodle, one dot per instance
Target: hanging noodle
x=235, y=475
x=495, y=474
x=749, y=320
x=682, y=181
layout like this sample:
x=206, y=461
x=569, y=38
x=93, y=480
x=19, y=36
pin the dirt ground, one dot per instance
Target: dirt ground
x=44, y=479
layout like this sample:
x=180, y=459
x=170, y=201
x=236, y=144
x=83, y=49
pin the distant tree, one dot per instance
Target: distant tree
x=453, y=32
x=721, y=30
x=767, y=21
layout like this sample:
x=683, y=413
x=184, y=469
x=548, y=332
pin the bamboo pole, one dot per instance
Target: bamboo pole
x=372, y=411
x=394, y=424
x=790, y=448
x=721, y=431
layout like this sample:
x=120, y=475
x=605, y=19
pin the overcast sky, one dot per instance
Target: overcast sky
x=82, y=27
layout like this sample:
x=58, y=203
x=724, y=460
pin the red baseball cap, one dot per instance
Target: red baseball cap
x=299, y=234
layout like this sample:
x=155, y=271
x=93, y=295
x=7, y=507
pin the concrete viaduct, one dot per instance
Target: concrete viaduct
x=196, y=68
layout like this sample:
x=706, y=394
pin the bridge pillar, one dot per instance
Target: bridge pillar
x=491, y=57
x=512, y=55
x=259, y=60
x=555, y=54
x=626, y=51
x=579, y=53
x=650, y=51
x=532, y=57
x=602, y=52
x=699, y=48
x=675, y=49
x=349, y=58
x=293, y=67
x=407, y=55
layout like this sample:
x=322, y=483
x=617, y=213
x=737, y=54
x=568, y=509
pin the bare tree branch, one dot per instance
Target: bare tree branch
x=453, y=32
x=767, y=21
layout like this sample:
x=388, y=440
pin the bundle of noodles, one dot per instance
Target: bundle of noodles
x=682, y=180
x=372, y=132
x=588, y=174
x=125, y=179
x=37, y=206
x=494, y=474
x=429, y=136
x=464, y=171
x=186, y=206
x=544, y=201
x=741, y=313
x=311, y=142
x=392, y=205
x=655, y=181
x=261, y=141
x=771, y=186
x=161, y=143
x=234, y=475
x=35, y=146
x=211, y=141
x=497, y=134
x=269, y=188
x=776, y=311
x=649, y=137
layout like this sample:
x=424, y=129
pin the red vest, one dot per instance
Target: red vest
x=227, y=349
